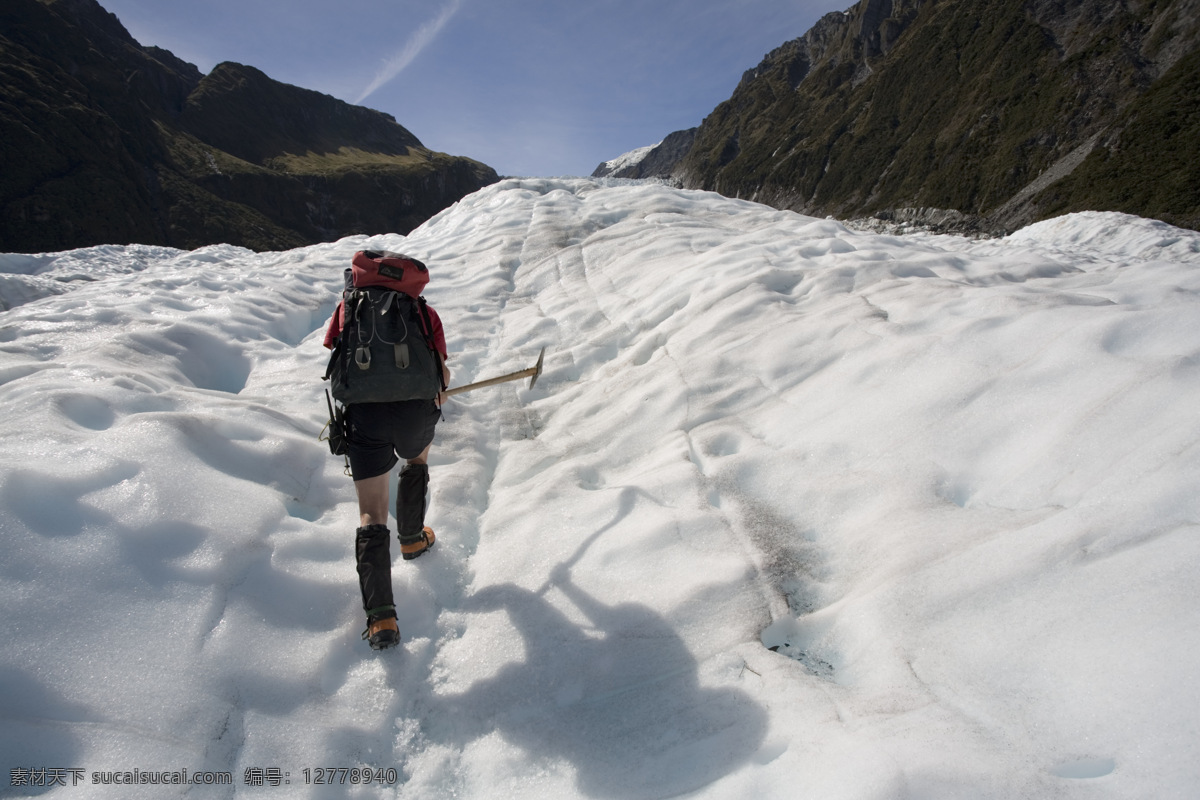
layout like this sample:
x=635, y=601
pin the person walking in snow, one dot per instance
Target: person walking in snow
x=388, y=368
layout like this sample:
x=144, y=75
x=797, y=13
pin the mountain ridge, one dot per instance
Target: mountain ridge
x=106, y=141
x=1002, y=113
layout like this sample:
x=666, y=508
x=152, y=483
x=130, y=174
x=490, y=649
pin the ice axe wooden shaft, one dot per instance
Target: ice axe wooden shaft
x=532, y=373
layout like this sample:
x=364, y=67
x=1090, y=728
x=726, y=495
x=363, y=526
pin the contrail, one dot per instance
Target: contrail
x=412, y=48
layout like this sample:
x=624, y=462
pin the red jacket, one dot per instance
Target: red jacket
x=437, y=335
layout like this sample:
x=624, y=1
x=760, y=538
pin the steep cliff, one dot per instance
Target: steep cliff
x=1005, y=111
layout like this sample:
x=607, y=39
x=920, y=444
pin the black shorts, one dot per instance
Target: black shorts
x=378, y=435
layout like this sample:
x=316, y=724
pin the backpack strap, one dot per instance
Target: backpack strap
x=351, y=299
x=427, y=332
x=333, y=358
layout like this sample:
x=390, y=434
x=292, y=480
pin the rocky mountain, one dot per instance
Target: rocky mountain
x=976, y=114
x=103, y=140
x=656, y=161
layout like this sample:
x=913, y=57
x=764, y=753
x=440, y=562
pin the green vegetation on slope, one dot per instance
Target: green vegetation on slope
x=1153, y=167
x=968, y=104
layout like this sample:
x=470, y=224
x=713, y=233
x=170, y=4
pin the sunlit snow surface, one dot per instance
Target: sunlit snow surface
x=955, y=484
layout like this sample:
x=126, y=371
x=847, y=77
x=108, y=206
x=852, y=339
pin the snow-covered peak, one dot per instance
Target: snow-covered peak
x=630, y=159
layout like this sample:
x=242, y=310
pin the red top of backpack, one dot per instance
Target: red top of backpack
x=392, y=270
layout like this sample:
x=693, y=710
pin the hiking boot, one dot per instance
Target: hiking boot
x=415, y=544
x=382, y=634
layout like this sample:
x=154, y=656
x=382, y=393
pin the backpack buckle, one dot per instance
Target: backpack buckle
x=362, y=357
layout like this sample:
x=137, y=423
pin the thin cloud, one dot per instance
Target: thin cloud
x=412, y=48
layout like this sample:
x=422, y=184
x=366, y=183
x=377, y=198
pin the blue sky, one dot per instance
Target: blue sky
x=530, y=87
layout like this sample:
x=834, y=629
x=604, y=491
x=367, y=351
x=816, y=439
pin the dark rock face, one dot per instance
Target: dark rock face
x=1002, y=111
x=240, y=110
x=105, y=141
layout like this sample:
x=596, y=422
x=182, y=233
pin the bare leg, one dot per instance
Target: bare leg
x=373, y=500
x=373, y=556
x=373, y=494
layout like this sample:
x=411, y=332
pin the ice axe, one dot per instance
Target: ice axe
x=532, y=373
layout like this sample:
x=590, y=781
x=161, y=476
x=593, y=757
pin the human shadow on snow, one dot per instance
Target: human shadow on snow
x=619, y=699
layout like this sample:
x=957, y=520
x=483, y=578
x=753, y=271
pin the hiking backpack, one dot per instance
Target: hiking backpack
x=385, y=350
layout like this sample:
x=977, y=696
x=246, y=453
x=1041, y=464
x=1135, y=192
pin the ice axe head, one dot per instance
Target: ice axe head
x=537, y=369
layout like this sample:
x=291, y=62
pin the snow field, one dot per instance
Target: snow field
x=951, y=482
